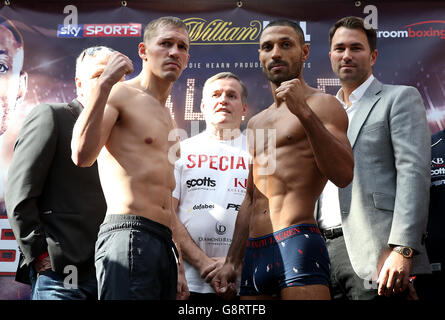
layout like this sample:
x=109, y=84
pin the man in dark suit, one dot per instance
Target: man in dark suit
x=54, y=207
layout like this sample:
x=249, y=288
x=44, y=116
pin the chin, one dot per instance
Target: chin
x=172, y=76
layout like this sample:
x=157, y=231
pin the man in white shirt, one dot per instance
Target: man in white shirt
x=375, y=227
x=211, y=181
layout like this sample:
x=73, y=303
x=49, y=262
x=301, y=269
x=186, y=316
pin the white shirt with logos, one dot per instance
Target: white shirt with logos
x=211, y=181
x=329, y=204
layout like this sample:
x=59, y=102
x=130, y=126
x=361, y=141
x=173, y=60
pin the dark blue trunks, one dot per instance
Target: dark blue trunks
x=294, y=256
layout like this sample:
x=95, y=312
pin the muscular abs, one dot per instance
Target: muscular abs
x=287, y=180
x=136, y=174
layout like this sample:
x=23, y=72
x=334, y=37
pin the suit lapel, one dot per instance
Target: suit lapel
x=364, y=107
x=75, y=107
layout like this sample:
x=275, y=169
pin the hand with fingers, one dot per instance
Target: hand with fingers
x=394, y=276
x=212, y=269
x=292, y=93
x=224, y=282
x=118, y=65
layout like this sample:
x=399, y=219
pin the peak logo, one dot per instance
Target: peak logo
x=99, y=30
x=417, y=30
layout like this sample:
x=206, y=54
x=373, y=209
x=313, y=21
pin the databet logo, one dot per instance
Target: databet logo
x=99, y=30
x=420, y=30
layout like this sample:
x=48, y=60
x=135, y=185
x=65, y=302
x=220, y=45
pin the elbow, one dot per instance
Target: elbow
x=347, y=177
x=345, y=181
x=79, y=160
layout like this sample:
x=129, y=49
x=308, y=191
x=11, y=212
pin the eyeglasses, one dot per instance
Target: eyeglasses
x=92, y=51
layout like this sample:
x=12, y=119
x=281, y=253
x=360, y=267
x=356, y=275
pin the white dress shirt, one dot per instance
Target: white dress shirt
x=329, y=215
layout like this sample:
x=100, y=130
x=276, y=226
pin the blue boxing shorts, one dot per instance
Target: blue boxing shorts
x=294, y=256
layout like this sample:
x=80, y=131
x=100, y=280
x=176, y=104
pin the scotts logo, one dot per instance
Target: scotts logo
x=218, y=31
x=204, y=182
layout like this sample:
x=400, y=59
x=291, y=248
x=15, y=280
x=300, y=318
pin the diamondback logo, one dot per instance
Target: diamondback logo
x=220, y=229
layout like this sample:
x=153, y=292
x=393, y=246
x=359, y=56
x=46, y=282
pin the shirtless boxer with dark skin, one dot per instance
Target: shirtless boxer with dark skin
x=126, y=126
x=311, y=146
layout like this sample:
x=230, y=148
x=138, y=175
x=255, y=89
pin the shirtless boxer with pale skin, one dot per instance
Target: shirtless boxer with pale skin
x=285, y=255
x=126, y=126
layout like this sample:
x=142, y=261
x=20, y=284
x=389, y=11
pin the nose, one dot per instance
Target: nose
x=174, y=51
x=347, y=56
x=222, y=99
x=276, y=52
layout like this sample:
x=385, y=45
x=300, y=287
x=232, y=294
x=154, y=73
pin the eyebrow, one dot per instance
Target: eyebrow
x=280, y=39
x=352, y=44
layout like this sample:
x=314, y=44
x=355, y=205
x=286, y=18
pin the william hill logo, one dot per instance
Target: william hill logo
x=218, y=31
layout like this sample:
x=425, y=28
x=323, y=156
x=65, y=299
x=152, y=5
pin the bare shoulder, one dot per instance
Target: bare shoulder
x=257, y=119
x=126, y=93
x=326, y=107
x=318, y=99
x=120, y=93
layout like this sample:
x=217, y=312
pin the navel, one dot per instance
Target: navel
x=288, y=137
x=148, y=140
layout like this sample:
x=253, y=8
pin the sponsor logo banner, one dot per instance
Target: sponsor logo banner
x=99, y=30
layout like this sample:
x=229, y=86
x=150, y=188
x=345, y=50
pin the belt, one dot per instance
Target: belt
x=332, y=233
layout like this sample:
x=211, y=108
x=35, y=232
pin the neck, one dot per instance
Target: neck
x=155, y=86
x=223, y=133
x=348, y=88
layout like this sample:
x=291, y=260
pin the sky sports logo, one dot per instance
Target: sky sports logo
x=99, y=30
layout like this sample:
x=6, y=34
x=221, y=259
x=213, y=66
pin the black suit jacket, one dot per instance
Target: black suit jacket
x=52, y=204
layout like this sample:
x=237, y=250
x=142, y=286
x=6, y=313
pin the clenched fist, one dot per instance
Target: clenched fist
x=118, y=65
x=292, y=93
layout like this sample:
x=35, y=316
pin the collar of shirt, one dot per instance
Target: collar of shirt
x=355, y=96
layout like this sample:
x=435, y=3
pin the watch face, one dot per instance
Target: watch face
x=406, y=252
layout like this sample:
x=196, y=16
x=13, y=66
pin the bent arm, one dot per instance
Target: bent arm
x=93, y=126
x=327, y=134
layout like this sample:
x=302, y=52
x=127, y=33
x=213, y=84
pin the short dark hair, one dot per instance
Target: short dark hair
x=288, y=23
x=352, y=22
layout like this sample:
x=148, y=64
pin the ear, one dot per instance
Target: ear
x=244, y=109
x=187, y=61
x=142, y=51
x=374, y=56
x=305, y=52
x=202, y=105
x=23, y=87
